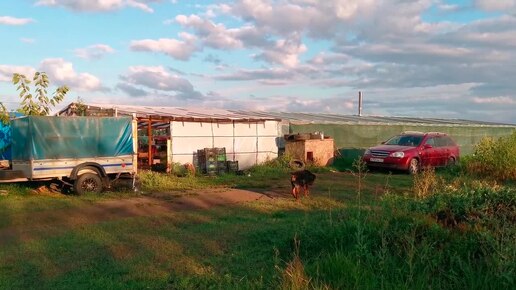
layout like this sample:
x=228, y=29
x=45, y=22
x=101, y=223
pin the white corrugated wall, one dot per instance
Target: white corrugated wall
x=248, y=143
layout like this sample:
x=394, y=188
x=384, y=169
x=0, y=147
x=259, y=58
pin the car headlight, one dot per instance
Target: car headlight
x=367, y=152
x=397, y=154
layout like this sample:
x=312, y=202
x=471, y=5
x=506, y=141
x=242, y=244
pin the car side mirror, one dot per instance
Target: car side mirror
x=383, y=142
x=427, y=146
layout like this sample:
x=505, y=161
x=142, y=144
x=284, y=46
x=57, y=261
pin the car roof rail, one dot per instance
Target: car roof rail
x=436, y=133
x=412, y=132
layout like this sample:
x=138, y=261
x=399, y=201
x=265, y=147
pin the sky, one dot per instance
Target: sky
x=424, y=58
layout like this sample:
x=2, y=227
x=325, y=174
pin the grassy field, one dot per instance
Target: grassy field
x=378, y=231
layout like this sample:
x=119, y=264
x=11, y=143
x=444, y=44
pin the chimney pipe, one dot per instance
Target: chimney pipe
x=360, y=104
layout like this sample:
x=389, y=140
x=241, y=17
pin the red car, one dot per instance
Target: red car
x=411, y=151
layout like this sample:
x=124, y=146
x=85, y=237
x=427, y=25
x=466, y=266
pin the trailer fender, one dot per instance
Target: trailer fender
x=86, y=167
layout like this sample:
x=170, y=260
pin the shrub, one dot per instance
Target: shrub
x=494, y=158
x=280, y=162
x=475, y=204
x=271, y=167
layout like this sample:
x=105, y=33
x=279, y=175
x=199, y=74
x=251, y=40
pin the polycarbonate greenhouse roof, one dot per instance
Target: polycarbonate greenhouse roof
x=318, y=118
x=212, y=114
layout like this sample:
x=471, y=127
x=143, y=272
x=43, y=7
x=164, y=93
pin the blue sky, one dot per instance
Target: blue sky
x=428, y=58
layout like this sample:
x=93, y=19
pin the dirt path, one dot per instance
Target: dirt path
x=31, y=225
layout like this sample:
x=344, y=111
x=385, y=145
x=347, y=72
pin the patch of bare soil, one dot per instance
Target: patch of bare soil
x=28, y=225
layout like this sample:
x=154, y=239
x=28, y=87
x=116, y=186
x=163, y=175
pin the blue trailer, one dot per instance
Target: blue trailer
x=86, y=153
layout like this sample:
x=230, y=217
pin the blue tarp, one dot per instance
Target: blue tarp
x=5, y=141
x=6, y=137
x=36, y=137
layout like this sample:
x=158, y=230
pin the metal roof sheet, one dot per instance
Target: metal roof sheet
x=194, y=114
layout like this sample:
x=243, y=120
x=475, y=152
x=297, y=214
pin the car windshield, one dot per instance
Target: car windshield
x=405, y=140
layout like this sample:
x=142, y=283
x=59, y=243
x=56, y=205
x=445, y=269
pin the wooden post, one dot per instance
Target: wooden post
x=149, y=142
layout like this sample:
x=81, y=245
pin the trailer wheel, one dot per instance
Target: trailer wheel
x=88, y=182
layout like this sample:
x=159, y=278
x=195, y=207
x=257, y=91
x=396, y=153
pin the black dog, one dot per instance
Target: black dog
x=301, y=179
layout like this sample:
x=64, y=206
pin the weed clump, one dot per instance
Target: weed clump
x=294, y=275
x=159, y=181
x=426, y=183
x=272, y=166
x=493, y=158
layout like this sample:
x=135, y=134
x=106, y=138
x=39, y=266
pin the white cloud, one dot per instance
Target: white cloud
x=277, y=28
x=318, y=18
x=285, y=52
x=496, y=5
x=94, y=52
x=27, y=40
x=217, y=35
x=448, y=7
x=178, y=49
x=98, y=5
x=131, y=90
x=61, y=72
x=503, y=100
x=142, y=81
x=346, y=9
x=329, y=58
x=156, y=77
x=7, y=71
x=212, y=35
x=259, y=74
x=9, y=20
x=281, y=17
x=140, y=5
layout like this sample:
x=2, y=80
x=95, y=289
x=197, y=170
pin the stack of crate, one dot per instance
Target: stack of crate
x=212, y=161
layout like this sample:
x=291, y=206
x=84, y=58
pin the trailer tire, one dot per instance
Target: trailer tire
x=88, y=182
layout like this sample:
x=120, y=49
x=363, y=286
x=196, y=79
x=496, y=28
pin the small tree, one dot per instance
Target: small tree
x=30, y=105
x=4, y=115
x=40, y=104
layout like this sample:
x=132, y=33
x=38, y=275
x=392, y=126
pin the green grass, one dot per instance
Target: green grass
x=391, y=241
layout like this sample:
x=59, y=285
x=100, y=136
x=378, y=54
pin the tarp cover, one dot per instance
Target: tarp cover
x=36, y=137
x=6, y=137
x=5, y=141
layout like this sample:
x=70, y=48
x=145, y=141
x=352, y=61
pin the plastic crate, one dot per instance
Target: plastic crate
x=232, y=166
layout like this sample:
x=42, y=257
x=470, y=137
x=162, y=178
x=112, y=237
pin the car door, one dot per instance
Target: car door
x=429, y=153
x=441, y=151
x=449, y=150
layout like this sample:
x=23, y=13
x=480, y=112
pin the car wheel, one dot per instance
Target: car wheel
x=88, y=182
x=413, y=166
x=450, y=162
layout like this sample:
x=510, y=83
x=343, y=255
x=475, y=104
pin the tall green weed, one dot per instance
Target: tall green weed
x=493, y=158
